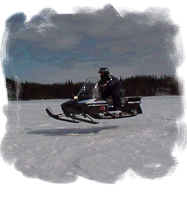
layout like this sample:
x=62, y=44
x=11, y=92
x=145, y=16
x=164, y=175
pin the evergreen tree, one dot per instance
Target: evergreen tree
x=133, y=86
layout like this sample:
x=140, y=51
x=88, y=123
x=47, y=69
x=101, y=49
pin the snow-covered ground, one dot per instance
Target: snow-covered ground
x=58, y=152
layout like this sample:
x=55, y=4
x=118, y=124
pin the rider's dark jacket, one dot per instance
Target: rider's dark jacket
x=113, y=88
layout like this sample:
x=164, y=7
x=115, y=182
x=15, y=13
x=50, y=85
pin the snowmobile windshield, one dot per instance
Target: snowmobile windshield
x=90, y=89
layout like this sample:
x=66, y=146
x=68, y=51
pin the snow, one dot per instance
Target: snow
x=58, y=152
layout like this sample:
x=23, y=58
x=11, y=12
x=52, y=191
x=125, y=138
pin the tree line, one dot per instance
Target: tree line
x=133, y=86
x=151, y=85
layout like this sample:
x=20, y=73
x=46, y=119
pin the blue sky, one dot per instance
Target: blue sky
x=54, y=47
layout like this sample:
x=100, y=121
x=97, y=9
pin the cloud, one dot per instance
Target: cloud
x=16, y=22
x=102, y=35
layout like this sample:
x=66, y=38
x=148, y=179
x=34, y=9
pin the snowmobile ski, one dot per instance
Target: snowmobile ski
x=91, y=121
x=59, y=116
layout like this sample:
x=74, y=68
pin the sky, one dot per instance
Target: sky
x=56, y=46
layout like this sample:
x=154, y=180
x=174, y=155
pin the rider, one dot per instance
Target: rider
x=110, y=86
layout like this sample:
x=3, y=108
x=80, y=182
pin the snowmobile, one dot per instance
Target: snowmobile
x=88, y=105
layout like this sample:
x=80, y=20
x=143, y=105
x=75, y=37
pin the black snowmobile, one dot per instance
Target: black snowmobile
x=88, y=105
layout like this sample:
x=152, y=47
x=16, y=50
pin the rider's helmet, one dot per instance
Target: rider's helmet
x=105, y=71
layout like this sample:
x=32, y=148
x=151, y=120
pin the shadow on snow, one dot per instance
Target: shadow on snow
x=70, y=131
